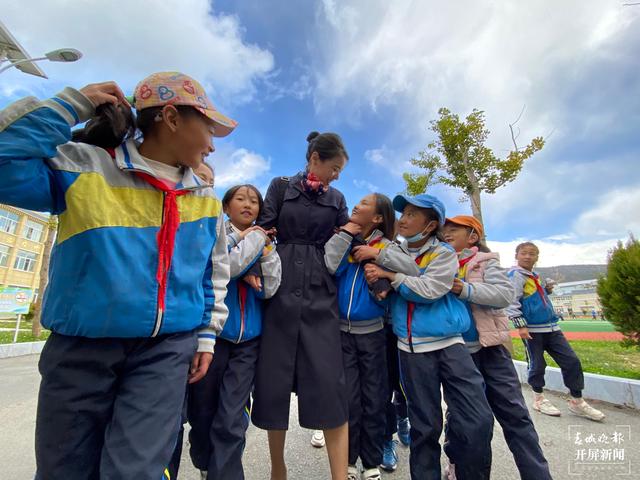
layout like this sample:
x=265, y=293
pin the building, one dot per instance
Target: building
x=577, y=298
x=23, y=234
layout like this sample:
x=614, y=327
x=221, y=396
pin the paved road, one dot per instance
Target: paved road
x=18, y=395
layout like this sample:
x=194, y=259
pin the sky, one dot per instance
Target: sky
x=376, y=72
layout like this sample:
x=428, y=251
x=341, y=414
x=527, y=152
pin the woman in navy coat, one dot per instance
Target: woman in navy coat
x=301, y=350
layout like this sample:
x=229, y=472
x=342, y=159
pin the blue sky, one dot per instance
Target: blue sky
x=376, y=72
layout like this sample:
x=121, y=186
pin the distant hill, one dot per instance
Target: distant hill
x=572, y=273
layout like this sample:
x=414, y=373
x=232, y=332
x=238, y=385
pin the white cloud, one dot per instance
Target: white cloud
x=235, y=166
x=557, y=253
x=127, y=40
x=616, y=213
x=364, y=185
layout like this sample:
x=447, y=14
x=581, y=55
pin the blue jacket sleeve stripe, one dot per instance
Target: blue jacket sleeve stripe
x=68, y=108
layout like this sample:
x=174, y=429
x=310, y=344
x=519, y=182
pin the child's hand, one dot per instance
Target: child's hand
x=364, y=252
x=524, y=333
x=373, y=273
x=255, y=228
x=106, y=92
x=458, y=285
x=200, y=366
x=254, y=282
x=265, y=251
x=352, y=228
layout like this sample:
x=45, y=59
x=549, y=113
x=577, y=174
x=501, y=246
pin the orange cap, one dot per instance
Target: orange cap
x=467, y=221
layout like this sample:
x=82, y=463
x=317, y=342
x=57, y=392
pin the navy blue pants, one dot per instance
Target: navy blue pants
x=471, y=427
x=556, y=345
x=365, y=369
x=109, y=408
x=396, y=407
x=218, y=410
x=504, y=394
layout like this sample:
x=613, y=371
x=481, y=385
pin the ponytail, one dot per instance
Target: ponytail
x=108, y=128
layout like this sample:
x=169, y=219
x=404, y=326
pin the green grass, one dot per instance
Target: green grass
x=7, y=337
x=604, y=358
x=586, y=326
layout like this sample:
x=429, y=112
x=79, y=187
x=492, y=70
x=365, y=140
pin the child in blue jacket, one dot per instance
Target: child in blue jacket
x=138, y=274
x=537, y=322
x=429, y=322
x=362, y=324
x=218, y=406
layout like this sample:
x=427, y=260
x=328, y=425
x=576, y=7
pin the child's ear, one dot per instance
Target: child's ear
x=474, y=238
x=377, y=219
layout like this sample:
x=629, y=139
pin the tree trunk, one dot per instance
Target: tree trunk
x=36, y=326
x=476, y=205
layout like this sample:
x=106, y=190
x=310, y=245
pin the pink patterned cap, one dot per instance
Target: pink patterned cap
x=175, y=88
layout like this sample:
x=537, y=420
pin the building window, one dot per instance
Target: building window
x=25, y=261
x=5, y=251
x=8, y=221
x=32, y=231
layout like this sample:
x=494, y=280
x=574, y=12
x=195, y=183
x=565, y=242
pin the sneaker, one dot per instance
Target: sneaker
x=543, y=405
x=353, y=473
x=403, y=431
x=450, y=471
x=317, y=439
x=389, y=456
x=581, y=408
x=371, y=474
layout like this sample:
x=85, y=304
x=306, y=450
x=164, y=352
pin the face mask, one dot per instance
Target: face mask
x=419, y=236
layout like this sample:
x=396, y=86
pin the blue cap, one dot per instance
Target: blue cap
x=421, y=201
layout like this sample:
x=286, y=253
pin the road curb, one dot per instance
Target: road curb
x=619, y=391
x=8, y=350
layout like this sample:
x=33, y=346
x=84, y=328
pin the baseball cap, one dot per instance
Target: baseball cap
x=467, y=221
x=422, y=201
x=175, y=88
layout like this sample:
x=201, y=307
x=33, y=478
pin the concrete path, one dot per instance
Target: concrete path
x=19, y=380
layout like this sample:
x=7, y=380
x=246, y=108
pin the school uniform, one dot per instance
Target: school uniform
x=532, y=308
x=123, y=327
x=301, y=349
x=429, y=321
x=364, y=340
x=219, y=404
x=486, y=292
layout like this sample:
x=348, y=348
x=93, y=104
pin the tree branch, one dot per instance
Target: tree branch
x=511, y=125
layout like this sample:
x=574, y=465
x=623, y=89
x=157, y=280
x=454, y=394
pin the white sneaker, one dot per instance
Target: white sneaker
x=543, y=405
x=581, y=408
x=317, y=439
x=353, y=473
x=371, y=474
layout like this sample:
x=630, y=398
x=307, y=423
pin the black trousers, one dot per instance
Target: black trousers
x=219, y=408
x=396, y=406
x=109, y=408
x=504, y=395
x=365, y=368
x=470, y=429
x=556, y=345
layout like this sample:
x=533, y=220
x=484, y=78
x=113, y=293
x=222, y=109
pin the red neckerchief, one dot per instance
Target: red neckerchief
x=167, y=233
x=311, y=183
x=539, y=287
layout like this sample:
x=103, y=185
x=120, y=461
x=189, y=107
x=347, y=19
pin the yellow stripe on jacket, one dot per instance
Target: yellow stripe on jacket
x=143, y=207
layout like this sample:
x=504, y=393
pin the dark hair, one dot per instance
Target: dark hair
x=228, y=196
x=328, y=146
x=527, y=244
x=109, y=127
x=113, y=124
x=384, y=207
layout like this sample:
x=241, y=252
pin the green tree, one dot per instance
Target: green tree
x=619, y=290
x=459, y=158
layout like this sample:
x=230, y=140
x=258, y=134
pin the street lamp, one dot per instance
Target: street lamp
x=60, y=55
x=12, y=51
